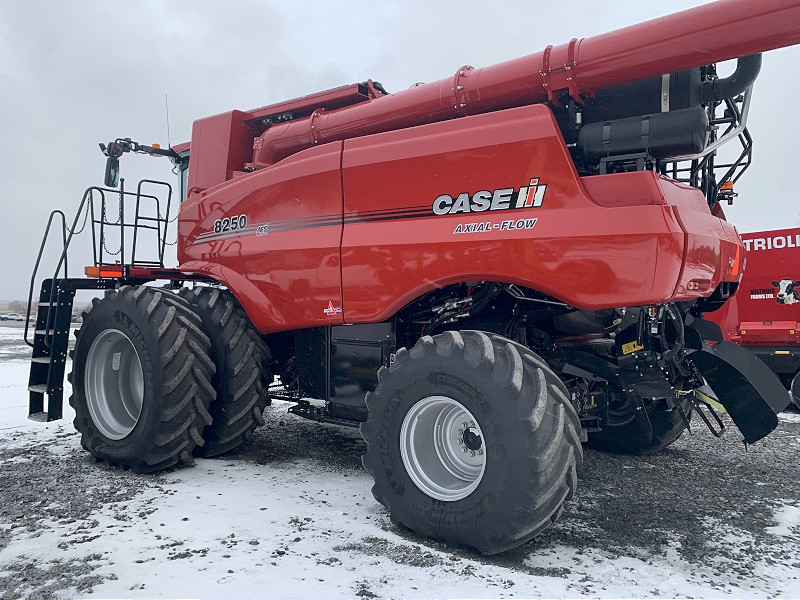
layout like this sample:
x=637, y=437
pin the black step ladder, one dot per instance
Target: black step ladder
x=50, y=344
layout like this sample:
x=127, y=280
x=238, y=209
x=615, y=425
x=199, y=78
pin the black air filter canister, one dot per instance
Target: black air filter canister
x=661, y=135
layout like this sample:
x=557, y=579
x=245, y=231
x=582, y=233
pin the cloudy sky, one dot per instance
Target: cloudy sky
x=73, y=74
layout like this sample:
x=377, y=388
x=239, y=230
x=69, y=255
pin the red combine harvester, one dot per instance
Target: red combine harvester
x=764, y=315
x=482, y=273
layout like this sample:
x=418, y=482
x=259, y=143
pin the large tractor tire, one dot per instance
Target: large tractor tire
x=242, y=360
x=472, y=439
x=623, y=434
x=141, y=379
x=794, y=390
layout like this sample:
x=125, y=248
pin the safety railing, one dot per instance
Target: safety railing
x=94, y=207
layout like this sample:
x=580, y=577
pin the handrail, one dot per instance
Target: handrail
x=39, y=260
x=87, y=205
x=726, y=137
x=162, y=240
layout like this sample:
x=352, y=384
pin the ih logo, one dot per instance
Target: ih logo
x=534, y=193
x=528, y=196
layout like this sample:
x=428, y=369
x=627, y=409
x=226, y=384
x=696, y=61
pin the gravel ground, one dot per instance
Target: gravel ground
x=710, y=502
x=695, y=496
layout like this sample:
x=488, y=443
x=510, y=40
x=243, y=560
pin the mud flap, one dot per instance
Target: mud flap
x=750, y=392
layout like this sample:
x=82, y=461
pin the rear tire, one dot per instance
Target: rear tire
x=794, y=391
x=622, y=434
x=241, y=358
x=420, y=453
x=141, y=379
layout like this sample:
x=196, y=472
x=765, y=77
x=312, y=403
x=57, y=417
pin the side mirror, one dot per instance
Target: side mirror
x=112, y=171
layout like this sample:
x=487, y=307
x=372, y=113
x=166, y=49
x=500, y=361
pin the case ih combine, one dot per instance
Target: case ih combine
x=481, y=273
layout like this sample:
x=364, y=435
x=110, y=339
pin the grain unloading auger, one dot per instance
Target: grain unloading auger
x=480, y=272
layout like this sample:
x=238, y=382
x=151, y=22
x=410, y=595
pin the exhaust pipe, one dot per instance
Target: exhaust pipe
x=747, y=70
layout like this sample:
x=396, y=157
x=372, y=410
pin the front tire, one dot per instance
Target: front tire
x=141, y=379
x=471, y=439
x=242, y=359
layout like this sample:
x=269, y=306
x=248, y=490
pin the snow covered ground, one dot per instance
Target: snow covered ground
x=292, y=516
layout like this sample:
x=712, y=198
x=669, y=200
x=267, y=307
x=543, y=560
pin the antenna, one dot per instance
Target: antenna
x=166, y=103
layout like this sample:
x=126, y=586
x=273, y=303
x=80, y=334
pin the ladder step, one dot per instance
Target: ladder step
x=38, y=416
x=39, y=389
x=42, y=359
x=48, y=304
x=45, y=332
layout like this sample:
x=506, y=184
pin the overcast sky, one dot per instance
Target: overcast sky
x=73, y=74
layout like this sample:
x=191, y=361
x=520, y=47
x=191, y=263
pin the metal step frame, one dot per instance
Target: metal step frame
x=50, y=341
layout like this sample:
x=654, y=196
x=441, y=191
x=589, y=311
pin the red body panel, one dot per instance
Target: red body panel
x=221, y=144
x=284, y=278
x=597, y=245
x=754, y=316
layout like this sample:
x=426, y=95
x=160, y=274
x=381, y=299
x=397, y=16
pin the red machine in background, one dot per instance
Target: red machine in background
x=481, y=273
x=764, y=315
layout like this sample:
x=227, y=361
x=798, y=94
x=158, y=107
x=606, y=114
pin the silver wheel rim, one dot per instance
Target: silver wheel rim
x=442, y=447
x=114, y=384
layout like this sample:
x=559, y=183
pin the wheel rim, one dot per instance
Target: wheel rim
x=443, y=448
x=114, y=384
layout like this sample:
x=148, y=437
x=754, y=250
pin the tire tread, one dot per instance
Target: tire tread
x=542, y=405
x=241, y=358
x=184, y=382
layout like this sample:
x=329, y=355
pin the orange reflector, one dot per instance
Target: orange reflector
x=698, y=285
x=734, y=270
x=103, y=271
x=728, y=185
x=782, y=352
x=159, y=146
x=743, y=332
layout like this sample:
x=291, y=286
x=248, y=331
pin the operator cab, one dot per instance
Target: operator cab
x=181, y=161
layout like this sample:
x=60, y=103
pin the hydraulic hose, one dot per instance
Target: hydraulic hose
x=679, y=343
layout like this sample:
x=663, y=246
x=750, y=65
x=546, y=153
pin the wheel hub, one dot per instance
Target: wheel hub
x=472, y=440
x=442, y=448
x=114, y=384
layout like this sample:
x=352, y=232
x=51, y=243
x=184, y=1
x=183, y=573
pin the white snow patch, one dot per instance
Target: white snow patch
x=789, y=417
x=788, y=519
